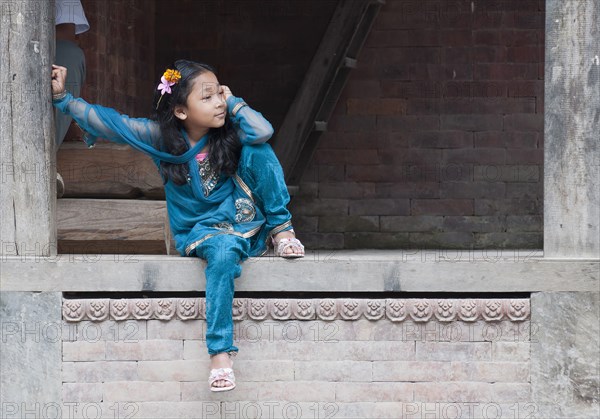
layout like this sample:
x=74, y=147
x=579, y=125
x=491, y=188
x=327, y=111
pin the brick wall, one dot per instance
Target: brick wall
x=437, y=139
x=341, y=358
x=260, y=49
x=119, y=51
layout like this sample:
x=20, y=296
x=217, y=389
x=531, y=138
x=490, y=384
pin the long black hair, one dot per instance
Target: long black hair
x=223, y=142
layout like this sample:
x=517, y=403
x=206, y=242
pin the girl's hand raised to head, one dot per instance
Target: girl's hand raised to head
x=59, y=75
x=226, y=92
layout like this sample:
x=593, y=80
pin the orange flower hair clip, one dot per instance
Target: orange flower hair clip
x=168, y=79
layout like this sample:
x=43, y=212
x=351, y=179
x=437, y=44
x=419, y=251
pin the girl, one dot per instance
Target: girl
x=225, y=190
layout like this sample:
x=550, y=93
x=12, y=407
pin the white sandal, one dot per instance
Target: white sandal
x=283, y=244
x=226, y=374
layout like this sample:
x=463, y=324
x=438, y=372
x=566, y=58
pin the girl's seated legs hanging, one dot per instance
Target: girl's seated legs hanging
x=223, y=254
x=260, y=169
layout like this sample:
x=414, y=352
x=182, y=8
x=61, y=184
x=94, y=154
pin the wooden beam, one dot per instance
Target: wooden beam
x=114, y=226
x=108, y=171
x=27, y=146
x=572, y=115
x=330, y=55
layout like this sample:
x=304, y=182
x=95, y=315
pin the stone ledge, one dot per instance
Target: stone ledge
x=411, y=270
x=418, y=310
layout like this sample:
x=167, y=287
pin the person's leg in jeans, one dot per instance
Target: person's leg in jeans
x=69, y=55
x=260, y=169
x=223, y=254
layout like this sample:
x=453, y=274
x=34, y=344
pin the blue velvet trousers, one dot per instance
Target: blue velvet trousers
x=260, y=169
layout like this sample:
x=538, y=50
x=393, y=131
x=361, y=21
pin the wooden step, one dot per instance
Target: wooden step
x=108, y=170
x=113, y=226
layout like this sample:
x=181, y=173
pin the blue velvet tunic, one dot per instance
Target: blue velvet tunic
x=202, y=208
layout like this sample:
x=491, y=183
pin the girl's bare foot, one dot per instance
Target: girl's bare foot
x=221, y=360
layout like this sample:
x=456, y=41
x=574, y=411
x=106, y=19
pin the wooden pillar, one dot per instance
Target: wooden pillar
x=571, y=136
x=27, y=147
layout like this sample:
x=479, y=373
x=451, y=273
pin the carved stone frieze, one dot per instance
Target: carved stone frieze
x=393, y=309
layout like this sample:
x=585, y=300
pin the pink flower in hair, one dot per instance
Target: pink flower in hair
x=165, y=86
x=168, y=79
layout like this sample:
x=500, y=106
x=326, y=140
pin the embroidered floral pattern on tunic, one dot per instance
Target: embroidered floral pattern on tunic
x=245, y=210
x=209, y=176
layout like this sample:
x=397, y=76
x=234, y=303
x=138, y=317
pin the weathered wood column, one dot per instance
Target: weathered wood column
x=571, y=135
x=27, y=150
x=565, y=334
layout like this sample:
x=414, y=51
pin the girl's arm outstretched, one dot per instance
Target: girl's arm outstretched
x=99, y=121
x=251, y=125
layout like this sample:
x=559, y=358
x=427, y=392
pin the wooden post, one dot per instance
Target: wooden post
x=27, y=147
x=571, y=136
